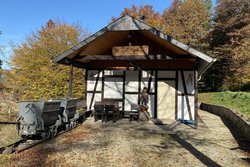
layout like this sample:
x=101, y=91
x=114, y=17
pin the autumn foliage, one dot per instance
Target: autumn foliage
x=145, y=13
x=188, y=22
x=33, y=74
x=223, y=33
x=229, y=41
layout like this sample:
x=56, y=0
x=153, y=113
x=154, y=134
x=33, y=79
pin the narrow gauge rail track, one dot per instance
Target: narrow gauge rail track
x=1, y=122
x=23, y=144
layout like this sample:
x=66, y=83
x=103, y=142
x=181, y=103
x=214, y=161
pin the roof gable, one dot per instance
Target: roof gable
x=124, y=23
x=128, y=23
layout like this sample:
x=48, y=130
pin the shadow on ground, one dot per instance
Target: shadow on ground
x=189, y=147
x=244, y=145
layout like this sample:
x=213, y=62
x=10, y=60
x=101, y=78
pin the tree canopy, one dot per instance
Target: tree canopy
x=144, y=13
x=33, y=74
x=188, y=21
x=223, y=34
x=189, y=27
x=229, y=41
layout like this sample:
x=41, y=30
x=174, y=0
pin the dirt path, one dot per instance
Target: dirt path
x=139, y=144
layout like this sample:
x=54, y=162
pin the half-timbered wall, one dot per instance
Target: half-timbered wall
x=94, y=88
x=171, y=93
x=131, y=89
x=186, y=95
x=166, y=94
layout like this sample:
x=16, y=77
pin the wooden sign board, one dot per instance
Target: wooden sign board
x=130, y=50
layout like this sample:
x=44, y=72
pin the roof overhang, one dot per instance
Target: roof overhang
x=164, y=47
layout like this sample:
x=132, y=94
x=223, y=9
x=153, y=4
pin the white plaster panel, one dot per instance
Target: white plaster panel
x=130, y=99
x=91, y=81
x=131, y=83
x=189, y=80
x=166, y=100
x=113, y=88
x=97, y=97
x=183, y=109
x=91, y=85
x=151, y=105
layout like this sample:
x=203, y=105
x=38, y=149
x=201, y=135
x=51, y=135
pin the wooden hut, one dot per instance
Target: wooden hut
x=127, y=55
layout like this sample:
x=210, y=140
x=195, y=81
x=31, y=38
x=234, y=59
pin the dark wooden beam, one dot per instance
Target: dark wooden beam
x=110, y=57
x=146, y=57
x=74, y=63
x=143, y=64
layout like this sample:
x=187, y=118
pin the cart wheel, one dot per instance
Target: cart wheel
x=67, y=126
x=47, y=134
x=75, y=123
x=54, y=131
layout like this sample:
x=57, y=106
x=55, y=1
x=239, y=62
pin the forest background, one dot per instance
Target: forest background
x=222, y=32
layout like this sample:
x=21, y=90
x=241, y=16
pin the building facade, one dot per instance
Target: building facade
x=128, y=55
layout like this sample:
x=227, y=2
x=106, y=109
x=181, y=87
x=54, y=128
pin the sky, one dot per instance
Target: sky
x=20, y=17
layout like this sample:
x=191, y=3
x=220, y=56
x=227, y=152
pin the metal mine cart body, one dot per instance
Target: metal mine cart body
x=68, y=113
x=38, y=118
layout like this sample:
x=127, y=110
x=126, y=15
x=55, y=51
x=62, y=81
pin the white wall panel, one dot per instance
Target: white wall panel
x=151, y=105
x=91, y=85
x=91, y=82
x=130, y=99
x=113, y=88
x=166, y=100
x=97, y=97
x=131, y=83
x=183, y=113
x=188, y=80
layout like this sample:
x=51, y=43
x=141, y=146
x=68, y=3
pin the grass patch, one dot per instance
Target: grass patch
x=239, y=101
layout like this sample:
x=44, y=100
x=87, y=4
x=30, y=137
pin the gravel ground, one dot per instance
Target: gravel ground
x=137, y=144
x=8, y=134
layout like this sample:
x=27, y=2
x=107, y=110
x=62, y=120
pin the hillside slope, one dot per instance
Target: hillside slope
x=239, y=101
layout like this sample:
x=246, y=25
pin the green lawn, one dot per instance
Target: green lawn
x=239, y=101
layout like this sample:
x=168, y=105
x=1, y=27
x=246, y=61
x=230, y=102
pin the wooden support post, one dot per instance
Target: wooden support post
x=196, y=98
x=71, y=73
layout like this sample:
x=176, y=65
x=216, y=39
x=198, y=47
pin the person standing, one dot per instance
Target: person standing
x=144, y=96
x=144, y=114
